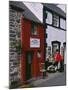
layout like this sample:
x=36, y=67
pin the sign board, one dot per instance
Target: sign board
x=34, y=43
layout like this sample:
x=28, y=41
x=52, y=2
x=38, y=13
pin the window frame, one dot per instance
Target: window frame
x=47, y=16
x=33, y=30
x=45, y=23
x=54, y=19
x=60, y=23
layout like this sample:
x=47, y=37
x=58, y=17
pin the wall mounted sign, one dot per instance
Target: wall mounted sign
x=34, y=43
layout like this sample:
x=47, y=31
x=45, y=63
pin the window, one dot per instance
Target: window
x=62, y=23
x=49, y=17
x=34, y=29
x=55, y=20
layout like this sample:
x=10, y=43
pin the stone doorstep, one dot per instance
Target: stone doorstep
x=26, y=85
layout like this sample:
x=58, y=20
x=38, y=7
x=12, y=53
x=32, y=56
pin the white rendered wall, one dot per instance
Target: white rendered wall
x=55, y=34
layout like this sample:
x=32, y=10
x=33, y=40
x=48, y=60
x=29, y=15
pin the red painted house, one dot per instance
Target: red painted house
x=32, y=45
x=33, y=48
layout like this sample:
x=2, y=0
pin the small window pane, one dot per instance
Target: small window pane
x=49, y=17
x=55, y=20
x=34, y=29
x=62, y=23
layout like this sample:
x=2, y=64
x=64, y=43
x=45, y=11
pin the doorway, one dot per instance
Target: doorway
x=29, y=58
x=55, y=46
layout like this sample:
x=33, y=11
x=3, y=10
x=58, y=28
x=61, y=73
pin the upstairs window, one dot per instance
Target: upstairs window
x=55, y=20
x=34, y=29
x=49, y=17
x=62, y=23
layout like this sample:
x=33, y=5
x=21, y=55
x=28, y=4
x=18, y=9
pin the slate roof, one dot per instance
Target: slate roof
x=26, y=12
x=54, y=8
x=29, y=15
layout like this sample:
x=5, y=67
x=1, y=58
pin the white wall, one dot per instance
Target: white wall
x=55, y=34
